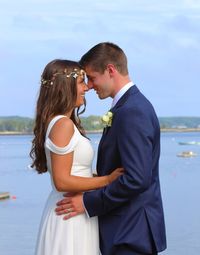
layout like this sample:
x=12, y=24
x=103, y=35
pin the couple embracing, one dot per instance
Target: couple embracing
x=118, y=212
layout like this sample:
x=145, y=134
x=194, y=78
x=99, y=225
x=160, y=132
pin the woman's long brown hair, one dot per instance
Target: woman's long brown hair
x=57, y=96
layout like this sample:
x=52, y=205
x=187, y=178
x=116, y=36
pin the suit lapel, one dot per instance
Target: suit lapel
x=122, y=100
x=99, y=148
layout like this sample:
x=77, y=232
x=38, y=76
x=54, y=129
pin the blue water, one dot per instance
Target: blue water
x=180, y=183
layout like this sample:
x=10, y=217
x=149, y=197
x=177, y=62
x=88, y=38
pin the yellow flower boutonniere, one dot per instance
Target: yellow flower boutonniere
x=107, y=119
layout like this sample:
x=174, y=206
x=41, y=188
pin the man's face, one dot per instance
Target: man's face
x=100, y=82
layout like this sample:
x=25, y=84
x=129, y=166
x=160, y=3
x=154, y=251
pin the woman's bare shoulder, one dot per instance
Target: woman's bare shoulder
x=62, y=131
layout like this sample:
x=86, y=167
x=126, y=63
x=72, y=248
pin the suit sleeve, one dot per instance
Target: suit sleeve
x=134, y=141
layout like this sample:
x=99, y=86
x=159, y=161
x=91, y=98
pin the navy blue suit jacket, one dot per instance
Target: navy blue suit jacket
x=130, y=209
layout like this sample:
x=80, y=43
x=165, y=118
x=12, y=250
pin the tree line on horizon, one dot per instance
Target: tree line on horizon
x=92, y=123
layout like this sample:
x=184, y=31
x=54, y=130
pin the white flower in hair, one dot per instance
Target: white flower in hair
x=74, y=75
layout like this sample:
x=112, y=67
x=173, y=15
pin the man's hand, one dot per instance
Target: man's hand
x=70, y=206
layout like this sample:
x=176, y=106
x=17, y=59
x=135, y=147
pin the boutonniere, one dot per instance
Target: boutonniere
x=107, y=119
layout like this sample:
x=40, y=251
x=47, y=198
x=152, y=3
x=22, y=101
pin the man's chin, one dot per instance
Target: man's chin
x=102, y=96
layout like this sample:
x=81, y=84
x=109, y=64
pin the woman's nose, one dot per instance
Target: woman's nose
x=86, y=87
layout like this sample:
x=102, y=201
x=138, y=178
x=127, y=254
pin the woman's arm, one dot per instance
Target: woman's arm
x=60, y=135
x=64, y=181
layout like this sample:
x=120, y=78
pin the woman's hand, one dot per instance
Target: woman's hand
x=115, y=174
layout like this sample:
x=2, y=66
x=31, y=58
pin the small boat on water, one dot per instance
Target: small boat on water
x=187, y=154
x=189, y=143
x=4, y=195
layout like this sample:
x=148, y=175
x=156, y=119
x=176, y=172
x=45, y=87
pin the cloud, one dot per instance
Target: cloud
x=192, y=3
x=161, y=39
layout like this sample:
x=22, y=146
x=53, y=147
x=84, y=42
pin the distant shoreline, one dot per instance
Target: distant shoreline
x=181, y=130
x=164, y=130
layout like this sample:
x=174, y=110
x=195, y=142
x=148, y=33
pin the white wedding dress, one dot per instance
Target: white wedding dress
x=78, y=235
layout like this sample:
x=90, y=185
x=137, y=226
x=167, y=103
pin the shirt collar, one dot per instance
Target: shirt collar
x=121, y=92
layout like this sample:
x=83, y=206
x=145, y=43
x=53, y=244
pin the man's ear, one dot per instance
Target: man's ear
x=111, y=69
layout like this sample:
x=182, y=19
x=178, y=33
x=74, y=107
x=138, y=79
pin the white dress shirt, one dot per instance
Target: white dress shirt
x=121, y=92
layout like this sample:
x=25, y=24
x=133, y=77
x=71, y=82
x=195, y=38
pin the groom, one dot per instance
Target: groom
x=131, y=220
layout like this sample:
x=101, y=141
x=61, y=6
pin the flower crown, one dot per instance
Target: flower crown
x=75, y=73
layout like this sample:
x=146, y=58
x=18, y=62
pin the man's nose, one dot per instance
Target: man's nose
x=90, y=85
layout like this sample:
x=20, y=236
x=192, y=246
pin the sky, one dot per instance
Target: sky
x=160, y=38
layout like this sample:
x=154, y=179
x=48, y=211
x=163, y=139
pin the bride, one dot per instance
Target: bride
x=61, y=148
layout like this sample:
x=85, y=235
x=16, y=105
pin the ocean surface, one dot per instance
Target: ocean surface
x=20, y=215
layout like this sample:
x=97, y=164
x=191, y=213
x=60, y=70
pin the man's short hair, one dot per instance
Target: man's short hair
x=102, y=54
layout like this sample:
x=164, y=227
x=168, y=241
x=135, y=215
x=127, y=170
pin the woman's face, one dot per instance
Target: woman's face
x=81, y=90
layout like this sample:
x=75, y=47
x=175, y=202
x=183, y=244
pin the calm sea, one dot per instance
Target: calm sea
x=20, y=215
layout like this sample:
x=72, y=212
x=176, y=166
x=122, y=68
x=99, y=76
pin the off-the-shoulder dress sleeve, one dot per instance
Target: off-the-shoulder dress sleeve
x=61, y=150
